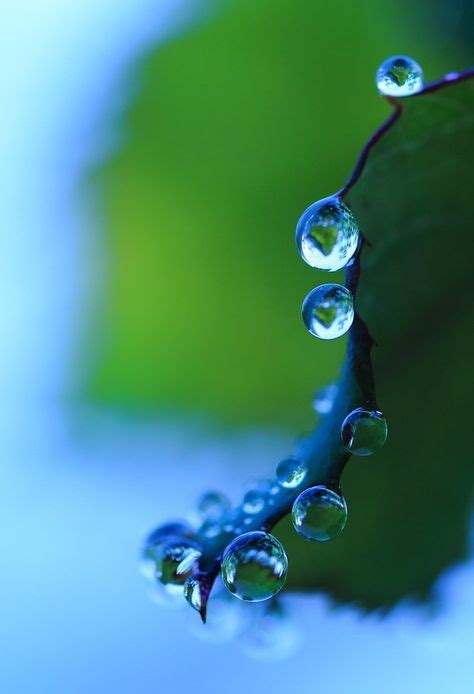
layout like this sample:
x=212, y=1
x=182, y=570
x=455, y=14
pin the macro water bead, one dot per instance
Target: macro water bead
x=327, y=234
x=254, y=566
x=212, y=505
x=290, y=472
x=328, y=311
x=253, y=502
x=399, y=76
x=319, y=513
x=364, y=431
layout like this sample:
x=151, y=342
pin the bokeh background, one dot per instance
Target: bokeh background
x=155, y=157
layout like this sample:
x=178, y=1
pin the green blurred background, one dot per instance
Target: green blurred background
x=234, y=127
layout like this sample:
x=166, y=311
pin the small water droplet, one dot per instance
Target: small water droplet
x=210, y=529
x=327, y=234
x=254, y=566
x=319, y=513
x=213, y=505
x=247, y=520
x=328, y=311
x=399, y=76
x=253, y=502
x=364, y=431
x=324, y=399
x=176, y=560
x=290, y=472
x=192, y=592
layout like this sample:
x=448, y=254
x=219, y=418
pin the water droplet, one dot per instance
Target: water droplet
x=273, y=636
x=192, y=592
x=253, y=502
x=254, y=566
x=212, y=505
x=210, y=529
x=399, y=76
x=290, y=472
x=319, y=513
x=364, y=431
x=176, y=560
x=324, y=399
x=327, y=234
x=328, y=311
x=247, y=520
x=157, y=540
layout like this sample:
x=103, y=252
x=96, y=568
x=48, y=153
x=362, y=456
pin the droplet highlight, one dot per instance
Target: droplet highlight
x=254, y=566
x=328, y=311
x=253, y=502
x=319, y=513
x=399, y=76
x=325, y=398
x=327, y=234
x=290, y=472
x=363, y=432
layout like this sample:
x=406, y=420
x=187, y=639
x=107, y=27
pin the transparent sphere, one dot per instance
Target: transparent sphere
x=364, y=431
x=399, y=76
x=319, y=513
x=327, y=234
x=254, y=501
x=290, y=472
x=254, y=566
x=152, y=553
x=212, y=505
x=176, y=560
x=328, y=311
x=324, y=399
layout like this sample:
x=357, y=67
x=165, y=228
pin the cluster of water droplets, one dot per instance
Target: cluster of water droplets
x=327, y=236
x=254, y=564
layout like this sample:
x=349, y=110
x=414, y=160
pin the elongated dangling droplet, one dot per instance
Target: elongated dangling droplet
x=254, y=566
x=328, y=311
x=399, y=76
x=192, y=592
x=327, y=234
x=319, y=513
x=364, y=431
x=290, y=472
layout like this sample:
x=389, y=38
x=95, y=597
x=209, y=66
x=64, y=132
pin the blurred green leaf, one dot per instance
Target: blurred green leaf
x=409, y=505
x=237, y=127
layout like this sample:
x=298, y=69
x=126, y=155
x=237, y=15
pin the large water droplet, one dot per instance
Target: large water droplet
x=327, y=234
x=253, y=502
x=212, y=505
x=399, y=76
x=319, y=513
x=328, y=311
x=324, y=399
x=290, y=472
x=254, y=566
x=176, y=561
x=364, y=431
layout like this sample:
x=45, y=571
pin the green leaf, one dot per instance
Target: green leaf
x=237, y=126
x=409, y=505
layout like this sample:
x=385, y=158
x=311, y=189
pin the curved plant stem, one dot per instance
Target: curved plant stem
x=322, y=451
